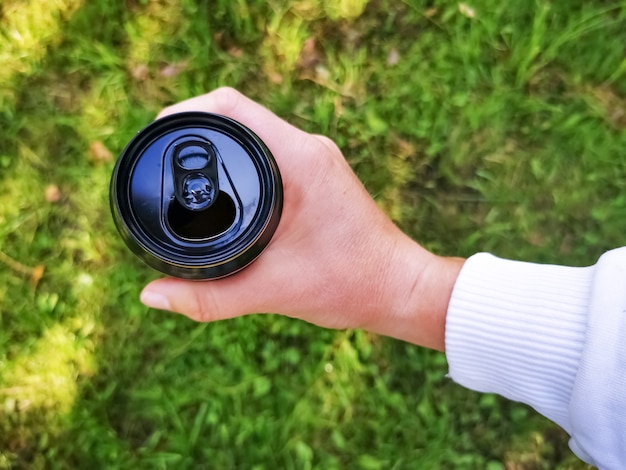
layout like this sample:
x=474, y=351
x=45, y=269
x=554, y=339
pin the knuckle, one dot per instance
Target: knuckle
x=166, y=112
x=226, y=99
x=329, y=144
x=327, y=157
x=206, y=306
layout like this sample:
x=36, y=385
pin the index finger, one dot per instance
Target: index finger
x=278, y=135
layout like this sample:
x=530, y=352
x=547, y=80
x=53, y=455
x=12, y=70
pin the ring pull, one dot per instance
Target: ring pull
x=196, y=180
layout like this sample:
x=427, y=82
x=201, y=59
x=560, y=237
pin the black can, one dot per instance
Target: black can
x=196, y=195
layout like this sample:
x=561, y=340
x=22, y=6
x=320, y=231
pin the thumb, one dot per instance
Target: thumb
x=201, y=301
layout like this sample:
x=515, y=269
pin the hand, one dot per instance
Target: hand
x=336, y=260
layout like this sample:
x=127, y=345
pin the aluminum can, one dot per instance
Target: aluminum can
x=196, y=195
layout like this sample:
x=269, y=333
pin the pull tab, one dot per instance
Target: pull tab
x=196, y=182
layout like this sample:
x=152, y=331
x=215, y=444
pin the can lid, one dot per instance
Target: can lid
x=196, y=195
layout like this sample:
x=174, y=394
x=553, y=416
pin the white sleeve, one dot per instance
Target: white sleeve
x=552, y=337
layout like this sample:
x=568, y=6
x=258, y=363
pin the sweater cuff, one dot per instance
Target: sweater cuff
x=517, y=329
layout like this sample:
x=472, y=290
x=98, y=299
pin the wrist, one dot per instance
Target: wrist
x=433, y=300
x=418, y=287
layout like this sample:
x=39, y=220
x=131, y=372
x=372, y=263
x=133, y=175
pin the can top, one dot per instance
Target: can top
x=196, y=195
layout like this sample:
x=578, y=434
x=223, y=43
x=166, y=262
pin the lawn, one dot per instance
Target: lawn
x=477, y=126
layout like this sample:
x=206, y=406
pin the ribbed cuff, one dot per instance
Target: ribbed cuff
x=517, y=329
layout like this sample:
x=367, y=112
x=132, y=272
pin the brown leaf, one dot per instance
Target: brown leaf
x=405, y=148
x=140, y=72
x=466, y=10
x=235, y=52
x=393, y=57
x=98, y=153
x=52, y=193
x=37, y=274
x=536, y=239
x=171, y=70
x=309, y=56
x=338, y=102
x=431, y=12
x=275, y=77
x=612, y=105
x=272, y=75
x=322, y=73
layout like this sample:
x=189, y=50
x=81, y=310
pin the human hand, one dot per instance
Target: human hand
x=336, y=260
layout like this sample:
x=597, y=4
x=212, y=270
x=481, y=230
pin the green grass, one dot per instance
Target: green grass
x=503, y=132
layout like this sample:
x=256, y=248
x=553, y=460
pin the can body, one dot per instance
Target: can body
x=196, y=195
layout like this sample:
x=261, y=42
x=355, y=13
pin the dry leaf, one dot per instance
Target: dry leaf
x=431, y=12
x=309, y=56
x=338, y=102
x=235, y=52
x=612, y=106
x=140, y=73
x=393, y=57
x=171, y=70
x=536, y=239
x=36, y=275
x=98, y=153
x=466, y=10
x=52, y=193
x=275, y=77
x=405, y=148
x=322, y=73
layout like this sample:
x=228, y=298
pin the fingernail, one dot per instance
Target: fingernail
x=155, y=300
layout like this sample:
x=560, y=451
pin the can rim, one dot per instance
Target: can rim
x=234, y=255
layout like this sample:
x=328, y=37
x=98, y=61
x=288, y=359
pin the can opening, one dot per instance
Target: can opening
x=200, y=225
